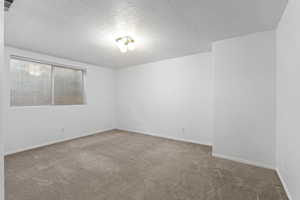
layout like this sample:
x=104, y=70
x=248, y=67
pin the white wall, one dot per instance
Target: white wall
x=171, y=98
x=1, y=99
x=244, y=108
x=34, y=126
x=288, y=98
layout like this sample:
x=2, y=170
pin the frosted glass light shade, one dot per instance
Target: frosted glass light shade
x=125, y=43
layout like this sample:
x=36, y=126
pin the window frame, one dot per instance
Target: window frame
x=52, y=65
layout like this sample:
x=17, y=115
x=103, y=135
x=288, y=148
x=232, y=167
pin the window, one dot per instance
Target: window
x=68, y=86
x=34, y=84
x=30, y=83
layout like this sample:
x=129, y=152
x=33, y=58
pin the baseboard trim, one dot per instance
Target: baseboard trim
x=166, y=137
x=55, y=142
x=284, y=184
x=243, y=161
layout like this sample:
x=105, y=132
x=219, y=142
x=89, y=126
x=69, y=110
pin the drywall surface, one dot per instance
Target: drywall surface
x=171, y=98
x=2, y=76
x=288, y=98
x=38, y=125
x=244, y=98
x=85, y=30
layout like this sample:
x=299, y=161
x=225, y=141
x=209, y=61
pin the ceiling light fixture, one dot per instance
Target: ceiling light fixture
x=125, y=43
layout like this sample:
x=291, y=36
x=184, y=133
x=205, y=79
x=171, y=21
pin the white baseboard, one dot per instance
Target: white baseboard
x=166, y=137
x=55, y=142
x=284, y=184
x=244, y=161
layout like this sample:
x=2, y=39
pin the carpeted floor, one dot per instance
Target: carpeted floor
x=120, y=165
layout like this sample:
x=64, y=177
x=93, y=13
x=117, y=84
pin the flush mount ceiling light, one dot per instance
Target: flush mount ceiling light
x=125, y=43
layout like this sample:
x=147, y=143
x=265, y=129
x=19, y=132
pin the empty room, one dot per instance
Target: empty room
x=149, y=100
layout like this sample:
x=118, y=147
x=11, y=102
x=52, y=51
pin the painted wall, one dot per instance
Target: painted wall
x=1, y=97
x=170, y=98
x=244, y=108
x=34, y=126
x=288, y=98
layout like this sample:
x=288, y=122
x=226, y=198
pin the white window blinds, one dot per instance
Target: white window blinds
x=35, y=84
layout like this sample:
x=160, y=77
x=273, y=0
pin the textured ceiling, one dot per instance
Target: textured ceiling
x=84, y=30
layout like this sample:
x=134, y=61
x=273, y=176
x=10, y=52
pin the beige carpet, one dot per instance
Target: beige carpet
x=119, y=165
